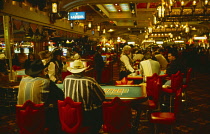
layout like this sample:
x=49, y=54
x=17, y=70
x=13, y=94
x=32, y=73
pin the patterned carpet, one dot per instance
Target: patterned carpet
x=194, y=120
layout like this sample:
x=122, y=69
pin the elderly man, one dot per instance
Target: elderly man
x=86, y=90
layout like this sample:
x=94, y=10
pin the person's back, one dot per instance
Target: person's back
x=162, y=60
x=36, y=87
x=39, y=89
x=86, y=90
x=148, y=67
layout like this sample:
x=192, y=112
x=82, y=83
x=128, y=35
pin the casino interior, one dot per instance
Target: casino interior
x=147, y=25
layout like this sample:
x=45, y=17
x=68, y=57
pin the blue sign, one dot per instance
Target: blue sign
x=76, y=16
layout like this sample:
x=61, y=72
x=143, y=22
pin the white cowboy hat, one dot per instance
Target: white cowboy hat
x=77, y=67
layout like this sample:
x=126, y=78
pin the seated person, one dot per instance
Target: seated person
x=161, y=59
x=86, y=90
x=148, y=67
x=39, y=89
x=175, y=65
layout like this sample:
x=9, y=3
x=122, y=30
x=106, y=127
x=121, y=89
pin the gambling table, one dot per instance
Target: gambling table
x=125, y=92
x=139, y=78
x=133, y=93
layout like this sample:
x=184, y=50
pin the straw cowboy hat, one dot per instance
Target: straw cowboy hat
x=77, y=67
x=36, y=68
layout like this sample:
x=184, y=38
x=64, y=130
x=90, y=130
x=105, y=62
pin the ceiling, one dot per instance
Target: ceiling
x=130, y=19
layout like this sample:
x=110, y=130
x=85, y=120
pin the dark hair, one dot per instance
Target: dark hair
x=57, y=52
x=98, y=48
x=30, y=55
x=147, y=56
x=174, y=53
x=76, y=49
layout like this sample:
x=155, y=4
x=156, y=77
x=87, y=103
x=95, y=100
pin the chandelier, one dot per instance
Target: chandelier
x=183, y=11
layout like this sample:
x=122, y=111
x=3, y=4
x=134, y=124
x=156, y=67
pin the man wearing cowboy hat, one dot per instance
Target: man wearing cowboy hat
x=86, y=90
x=39, y=89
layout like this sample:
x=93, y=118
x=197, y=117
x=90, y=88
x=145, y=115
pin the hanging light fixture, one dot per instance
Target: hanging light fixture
x=161, y=10
x=54, y=7
x=98, y=28
x=104, y=31
x=89, y=24
x=187, y=29
x=206, y=2
x=154, y=19
x=150, y=29
x=72, y=24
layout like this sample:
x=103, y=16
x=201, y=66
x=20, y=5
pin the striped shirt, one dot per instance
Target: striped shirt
x=34, y=89
x=84, y=89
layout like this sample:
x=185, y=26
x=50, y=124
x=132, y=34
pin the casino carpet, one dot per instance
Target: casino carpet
x=194, y=120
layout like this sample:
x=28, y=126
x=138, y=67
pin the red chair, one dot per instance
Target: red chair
x=124, y=81
x=153, y=88
x=186, y=84
x=70, y=115
x=168, y=118
x=176, y=83
x=30, y=118
x=117, y=116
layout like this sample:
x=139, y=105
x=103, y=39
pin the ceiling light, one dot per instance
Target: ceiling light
x=200, y=38
x=110, y=30
x=179, y=41
x=110, y=7
x=124, y=7
x=206, y=2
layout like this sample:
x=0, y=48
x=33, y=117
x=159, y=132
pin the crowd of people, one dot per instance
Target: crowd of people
x=44, y=72
x=171, y=59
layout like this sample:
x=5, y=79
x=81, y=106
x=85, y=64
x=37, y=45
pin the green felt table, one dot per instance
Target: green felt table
x=127, y=92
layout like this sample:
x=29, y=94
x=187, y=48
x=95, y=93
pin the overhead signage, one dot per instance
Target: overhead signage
x=76, y=16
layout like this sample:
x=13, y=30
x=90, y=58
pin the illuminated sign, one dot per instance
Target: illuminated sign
x=76, y=16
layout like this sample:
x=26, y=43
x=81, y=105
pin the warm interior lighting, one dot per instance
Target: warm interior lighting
x=110, y=30
x=182, y=3
x=104, y=31
x=194, y=3
x=89, y=24
x=179, y=41
x=200, y=38
x=206, y=2
x=161, y=11
x=54, y=7
x=159, y=42
x=98, y=28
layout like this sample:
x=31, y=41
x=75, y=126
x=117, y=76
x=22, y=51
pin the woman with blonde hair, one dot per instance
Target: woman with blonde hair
x=126, y=62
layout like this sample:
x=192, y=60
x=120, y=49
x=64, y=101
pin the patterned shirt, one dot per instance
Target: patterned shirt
x=34, y=89
x=126, y=63
x=84, y=89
